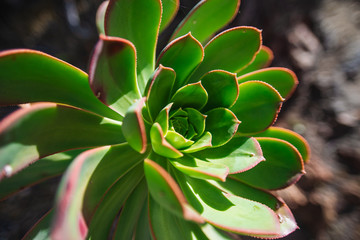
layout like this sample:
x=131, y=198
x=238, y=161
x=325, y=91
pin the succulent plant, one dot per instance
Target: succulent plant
x=175, y=147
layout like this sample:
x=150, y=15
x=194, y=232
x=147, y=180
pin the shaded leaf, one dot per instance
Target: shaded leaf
x=283, y=166
x=123, y=20
x=190, y=96
x=43, y=169
x=282, y=79
x=41, y=229
x=68, y=221
x=166, y=192
x=100, y=17
x=228, y=212
x=134, y=128
x=142, y=230
x=206, y=18
x=44, y=78
x=222, y=89
x=169, y=10
x=44, y=129
x=159, y=91
x=222, y=124
x=239, y=154
x=262, y=59
x=231, y=50
x=118, y=161
x=183, y=55
x=257, y=106
x=102, y=221
x=112, y=73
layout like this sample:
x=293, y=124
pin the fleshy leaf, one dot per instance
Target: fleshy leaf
x=100, y=17
x=206, y=18
x=109, y=170
x=160, y=145
x=292, y=137
x=226, y=211
x=68, y=221
x=129, y=216
x=222, y=89
x=138, y=22
x=177, y=140
x=285, y=217
x=169, y=10
x=190, y=96
x=239, y=154
x=283, y=166
x=197, y=120
x=183, y=55
x=142, y=230
x=166, y=192
x=163, y=118
x=230, y=51
x=222, y=124
x=108, y=209
x=134, y=128
x=282, y=79
x=112, y=73
x=262, y=59
x=44, y=78
x=203, y=142
x=257, y=106
x=43, y=169
x=166, y=225
x=41, y=229
x=45, y=128
x=160, y=89
x=201, y=169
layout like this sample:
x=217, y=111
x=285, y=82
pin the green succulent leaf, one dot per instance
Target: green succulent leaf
x=203, y=142
x=169, y=10
x=292, y=137
x=111, y=167
x=159, y=91
x=285, y=217
x=201, y=169
x=102, y=222
x=163, y=118
x=68, y=222
x=142, y=20
x=46, y=79
x=190, y=96
x=166, y=192
x=197, y=120
x=239, y=154
x=45, y=128
x=134, y=128
x=160, y=145
x=257, y=106
x=41, y=229
x=129, y=216
x=206, y=18
x=100, y=17
x=112, y=73
x=262, y=59
x=283, y=160
x=226, y=211
x=222, y=89
x=222, y=124
x=183, y=55
x=45, y=168
x=231, y=50
x=282, y=79
x=142, y=230
x=177, y=140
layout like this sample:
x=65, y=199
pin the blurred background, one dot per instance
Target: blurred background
x=318, y=39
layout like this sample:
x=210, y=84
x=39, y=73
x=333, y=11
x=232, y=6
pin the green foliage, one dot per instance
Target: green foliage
x=175, y=147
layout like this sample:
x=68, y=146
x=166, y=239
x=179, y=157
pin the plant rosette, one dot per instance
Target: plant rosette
x=179, y=146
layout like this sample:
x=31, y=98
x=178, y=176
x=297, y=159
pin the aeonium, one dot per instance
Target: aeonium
x=175, y=147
